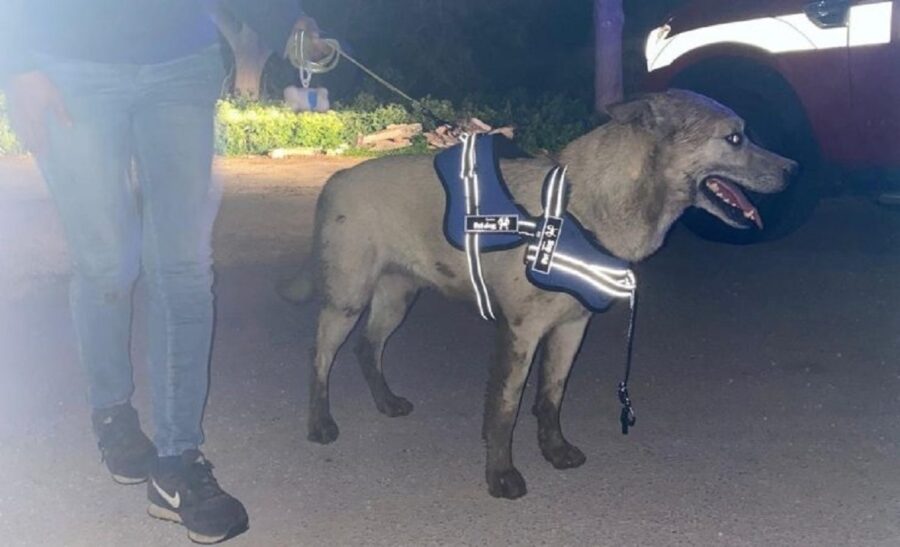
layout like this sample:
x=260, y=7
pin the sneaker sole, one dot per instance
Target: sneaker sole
x=162, y=513
x=128, y=481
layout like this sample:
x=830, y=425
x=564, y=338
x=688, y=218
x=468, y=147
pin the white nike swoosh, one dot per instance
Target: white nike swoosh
x=173, y=501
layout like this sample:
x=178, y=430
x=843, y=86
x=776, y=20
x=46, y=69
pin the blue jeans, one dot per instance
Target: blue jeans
x=159, y=226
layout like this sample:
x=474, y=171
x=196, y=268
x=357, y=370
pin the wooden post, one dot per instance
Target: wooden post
x=609, y=20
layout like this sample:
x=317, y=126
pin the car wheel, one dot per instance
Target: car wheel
x=774, y=121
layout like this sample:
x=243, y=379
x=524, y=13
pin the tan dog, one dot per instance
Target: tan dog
x=379, y=239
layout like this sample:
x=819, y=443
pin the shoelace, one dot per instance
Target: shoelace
x=201, y=480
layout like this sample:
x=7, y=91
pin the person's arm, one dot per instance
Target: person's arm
x=273, y=20
x=30, y=95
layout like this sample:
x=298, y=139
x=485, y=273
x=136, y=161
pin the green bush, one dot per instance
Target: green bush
x=250, y=128
x=255, y=128
x=545, y=122
x=365, y=115
x=9, y=145
x=258, y=128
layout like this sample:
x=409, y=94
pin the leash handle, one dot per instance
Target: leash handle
x=307, y=68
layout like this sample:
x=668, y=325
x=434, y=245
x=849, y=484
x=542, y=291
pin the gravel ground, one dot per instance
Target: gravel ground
x=767, y=385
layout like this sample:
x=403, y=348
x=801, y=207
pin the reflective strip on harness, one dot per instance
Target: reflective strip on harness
x=469, y=175
x=500, y=222
x=481, y=216
x=565, y=260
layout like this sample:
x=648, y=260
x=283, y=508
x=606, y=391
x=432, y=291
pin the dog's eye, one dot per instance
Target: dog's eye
x=735, y=139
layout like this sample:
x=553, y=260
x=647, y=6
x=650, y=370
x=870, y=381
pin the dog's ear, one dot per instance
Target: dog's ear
x=638, y=111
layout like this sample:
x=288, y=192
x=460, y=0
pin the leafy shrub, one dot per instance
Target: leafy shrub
x=8, y=143
x=258, y=128
x=365, y=115
x=255, y=128
x=546, y=122
x=249, y=128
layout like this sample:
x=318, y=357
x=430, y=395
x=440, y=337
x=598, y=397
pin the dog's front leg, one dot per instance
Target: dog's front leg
x=504, y=393
x=560, y=348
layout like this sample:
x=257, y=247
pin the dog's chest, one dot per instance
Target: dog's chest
x=481, y=216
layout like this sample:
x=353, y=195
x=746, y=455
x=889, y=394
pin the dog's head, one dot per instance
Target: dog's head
x=704, y=148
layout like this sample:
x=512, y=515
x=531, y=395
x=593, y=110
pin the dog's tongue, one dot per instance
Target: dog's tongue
x=735, y=197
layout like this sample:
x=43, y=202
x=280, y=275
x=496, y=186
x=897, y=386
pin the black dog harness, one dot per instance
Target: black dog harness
x=481, y=216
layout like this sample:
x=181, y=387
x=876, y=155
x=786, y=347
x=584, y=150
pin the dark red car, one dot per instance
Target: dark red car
x=816, y=81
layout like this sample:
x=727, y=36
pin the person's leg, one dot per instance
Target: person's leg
x=86, y=169
x=173, y=133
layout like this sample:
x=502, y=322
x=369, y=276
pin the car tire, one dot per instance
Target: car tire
x=774, y=120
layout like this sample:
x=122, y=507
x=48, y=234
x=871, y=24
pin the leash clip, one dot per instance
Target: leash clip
x=627, y=417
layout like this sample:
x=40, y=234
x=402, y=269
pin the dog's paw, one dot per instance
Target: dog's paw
x=564, y=456
x=323, y=431
x=394, y=406
x=507, y=484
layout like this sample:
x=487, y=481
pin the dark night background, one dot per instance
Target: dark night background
x=766, y=379
x=476, y=49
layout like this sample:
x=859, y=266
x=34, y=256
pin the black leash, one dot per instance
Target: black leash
x=419, y=105
x=627, y=417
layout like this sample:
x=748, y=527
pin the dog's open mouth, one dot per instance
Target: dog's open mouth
x=731, y=201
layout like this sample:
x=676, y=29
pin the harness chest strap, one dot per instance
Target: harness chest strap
x=547, y=254
x=558, y=257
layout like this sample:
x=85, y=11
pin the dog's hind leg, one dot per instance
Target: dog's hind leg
x=335, y=324
x=504, y=394
x=394, y=294
x=560, y=348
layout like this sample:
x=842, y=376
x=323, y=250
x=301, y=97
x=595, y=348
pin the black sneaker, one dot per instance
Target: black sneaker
x=182, y=489
x=127, y=452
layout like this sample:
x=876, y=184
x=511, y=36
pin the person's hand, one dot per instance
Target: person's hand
x=315, y=45
x=32, y=99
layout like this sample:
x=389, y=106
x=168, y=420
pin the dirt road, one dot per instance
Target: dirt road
x=767, y=386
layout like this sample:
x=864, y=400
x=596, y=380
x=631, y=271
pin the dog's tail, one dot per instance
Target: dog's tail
x=305, y=286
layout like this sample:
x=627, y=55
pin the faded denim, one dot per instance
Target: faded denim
x=158, y=226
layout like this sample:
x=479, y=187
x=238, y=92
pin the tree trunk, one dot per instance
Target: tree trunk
x=250, y=55
x=609, y=19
